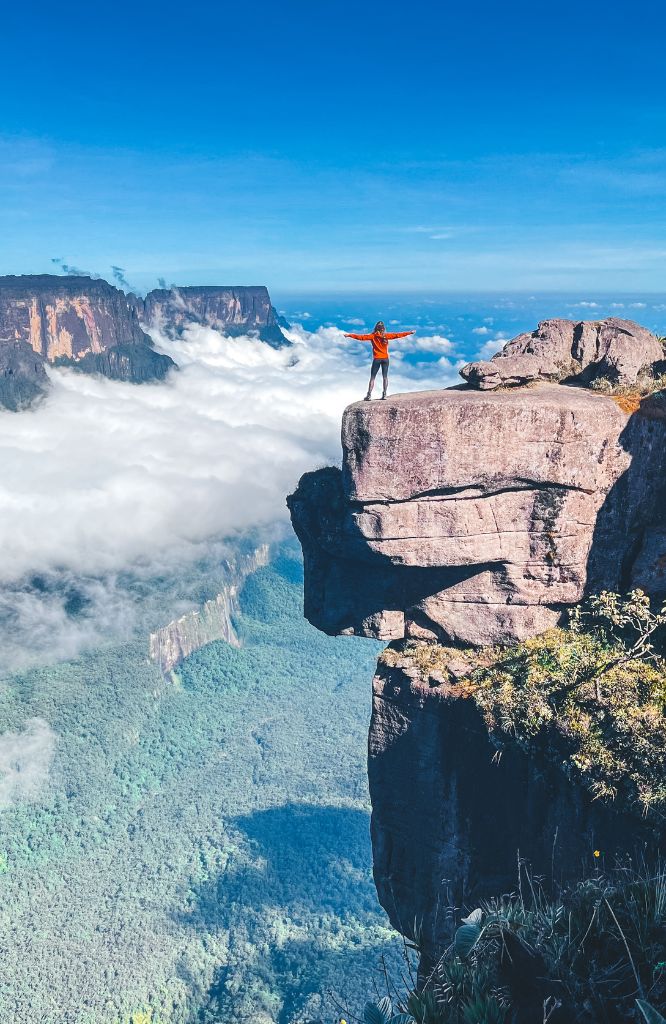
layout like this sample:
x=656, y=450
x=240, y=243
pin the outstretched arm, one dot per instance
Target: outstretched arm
x=402, y=334
x=360, y=337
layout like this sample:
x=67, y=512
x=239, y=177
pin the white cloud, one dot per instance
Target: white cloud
x=25, y=761
x=617, y=305
x=480, y=330
x=584, y=305
x=492, y=346
x=105, y=477
x=355, y=322
x=432, y=343
x=488, y=350
x=637, y=305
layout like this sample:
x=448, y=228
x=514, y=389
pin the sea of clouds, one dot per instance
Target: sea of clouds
x=106, y=484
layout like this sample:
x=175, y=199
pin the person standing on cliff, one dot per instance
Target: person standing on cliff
x=380, y=357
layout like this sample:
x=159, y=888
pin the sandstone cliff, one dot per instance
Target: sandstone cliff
x=477, y=516
x=94, y=327
x=170, y=644
x=74, y=321
x=232, y=310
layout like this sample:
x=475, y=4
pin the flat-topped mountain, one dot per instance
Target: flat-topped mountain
x=94, y=327
x=232, y=310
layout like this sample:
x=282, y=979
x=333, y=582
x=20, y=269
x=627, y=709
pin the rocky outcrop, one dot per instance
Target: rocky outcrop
x=452, y=814
x=170, y=644
x=563, y=350
x=73, y=321
x=476, y=518
x=233, y=311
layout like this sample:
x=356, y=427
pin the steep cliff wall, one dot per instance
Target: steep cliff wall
x=232, y=310
x=170, y=644
x=476, y=516
x=454, y=810
x=77, y=321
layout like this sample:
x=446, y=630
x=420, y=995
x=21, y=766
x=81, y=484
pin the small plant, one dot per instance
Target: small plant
x=646, y=384
x=382, y=1013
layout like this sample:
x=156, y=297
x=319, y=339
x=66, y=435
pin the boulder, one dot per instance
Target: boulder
x=475, y=517
x=563, y=350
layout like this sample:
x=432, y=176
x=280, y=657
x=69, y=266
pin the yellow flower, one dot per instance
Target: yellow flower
x=597, y=853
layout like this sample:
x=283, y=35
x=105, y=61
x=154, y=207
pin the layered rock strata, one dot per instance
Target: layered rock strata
x=232, y=310
x=476, y=518
x=620, y=351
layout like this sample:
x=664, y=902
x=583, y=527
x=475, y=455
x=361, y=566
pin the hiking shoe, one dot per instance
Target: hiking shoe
x=367, y=397
x=383, y=396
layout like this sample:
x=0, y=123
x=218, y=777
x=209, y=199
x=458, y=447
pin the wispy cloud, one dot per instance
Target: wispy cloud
x=25, y=761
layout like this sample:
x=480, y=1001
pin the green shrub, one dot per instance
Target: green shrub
x=592, y=694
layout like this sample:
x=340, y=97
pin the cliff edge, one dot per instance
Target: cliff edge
x=476, y=517
x=465, y=521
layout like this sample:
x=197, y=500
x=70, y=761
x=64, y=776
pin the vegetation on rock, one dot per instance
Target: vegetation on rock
x=591, y=695
x=593, y=953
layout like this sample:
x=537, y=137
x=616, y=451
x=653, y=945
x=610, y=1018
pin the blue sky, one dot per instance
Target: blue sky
x=347, y=146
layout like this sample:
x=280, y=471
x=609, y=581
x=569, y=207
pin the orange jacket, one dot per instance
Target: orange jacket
x=380, y=342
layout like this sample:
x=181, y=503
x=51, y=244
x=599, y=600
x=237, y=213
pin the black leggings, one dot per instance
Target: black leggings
x=376, y=363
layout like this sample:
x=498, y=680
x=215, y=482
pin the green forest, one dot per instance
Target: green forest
x=198, y=849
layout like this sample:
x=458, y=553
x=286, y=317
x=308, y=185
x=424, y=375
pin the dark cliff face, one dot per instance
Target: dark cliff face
x=451, y=815
x=232, y=310
x=22, y=375
x=72, y=321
